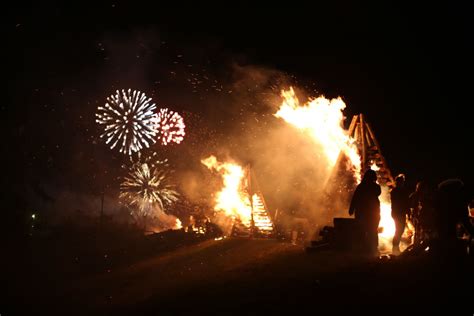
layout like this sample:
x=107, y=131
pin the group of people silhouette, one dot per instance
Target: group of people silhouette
x=438, y=213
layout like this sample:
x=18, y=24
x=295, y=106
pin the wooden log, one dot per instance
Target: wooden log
x=363, y=144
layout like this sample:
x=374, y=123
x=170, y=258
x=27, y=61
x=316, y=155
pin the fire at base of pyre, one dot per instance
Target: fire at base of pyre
x=239, y=205
x=322, y=119
x=387, y=226
x=336, y=205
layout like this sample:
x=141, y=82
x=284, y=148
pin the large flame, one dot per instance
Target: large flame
x=322, y=119
x=387, y=224
x=232, y=200
x=236, y=200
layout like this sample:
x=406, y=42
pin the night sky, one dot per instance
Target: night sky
x=407, y=69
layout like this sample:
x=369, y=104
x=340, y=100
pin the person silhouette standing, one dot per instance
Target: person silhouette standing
x=452, y=210
x=399, y=197
x=365, y=205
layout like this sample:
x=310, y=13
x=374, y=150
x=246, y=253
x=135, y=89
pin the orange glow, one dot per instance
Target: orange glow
x=321, y=119
x=386, y=220
x=260, y=217
x=387, y=224
x=374, y=166
x=232, y=199
x=178, y=224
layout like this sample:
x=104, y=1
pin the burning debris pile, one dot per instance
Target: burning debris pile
x=239, y=206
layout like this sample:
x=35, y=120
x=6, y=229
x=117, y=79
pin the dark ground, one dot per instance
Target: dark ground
x=161, y=276
x=402, y=66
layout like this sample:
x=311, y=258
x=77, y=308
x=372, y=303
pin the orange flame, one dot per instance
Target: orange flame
x=232, y=200
x=386, y=224
x=386, y=221
x=321, y=119
x=178, y=224
x=374, y=167
x=235, y=200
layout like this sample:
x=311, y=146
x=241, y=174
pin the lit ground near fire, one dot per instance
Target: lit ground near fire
x=245, y=276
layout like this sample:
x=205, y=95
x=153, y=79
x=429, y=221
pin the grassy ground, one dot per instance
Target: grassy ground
x=235, y=276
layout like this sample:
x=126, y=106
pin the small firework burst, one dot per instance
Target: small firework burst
x=147, y=187
x=170, y=127
x=129, y=121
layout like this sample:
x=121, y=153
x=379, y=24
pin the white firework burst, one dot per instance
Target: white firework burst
x=147, y=188
x=129, y=121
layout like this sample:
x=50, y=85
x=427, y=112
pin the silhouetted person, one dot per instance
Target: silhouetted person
x=452, y=210
x=365, y=205
x=422, y=205
x=400, y=207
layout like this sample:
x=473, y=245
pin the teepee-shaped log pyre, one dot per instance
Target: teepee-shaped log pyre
x=369, y=148
x=261, y=225
x=370, y=153
x=341, y=184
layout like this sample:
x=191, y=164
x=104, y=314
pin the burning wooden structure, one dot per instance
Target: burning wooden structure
x=341, y=234
x=369, y=150
x=261, y=225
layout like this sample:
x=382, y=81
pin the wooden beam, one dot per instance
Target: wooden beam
x=353, y=125
x=357, y=132
x=352, y=130
x=364, y=150
x=369, y=129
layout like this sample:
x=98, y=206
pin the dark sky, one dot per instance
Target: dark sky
x=407, y=68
